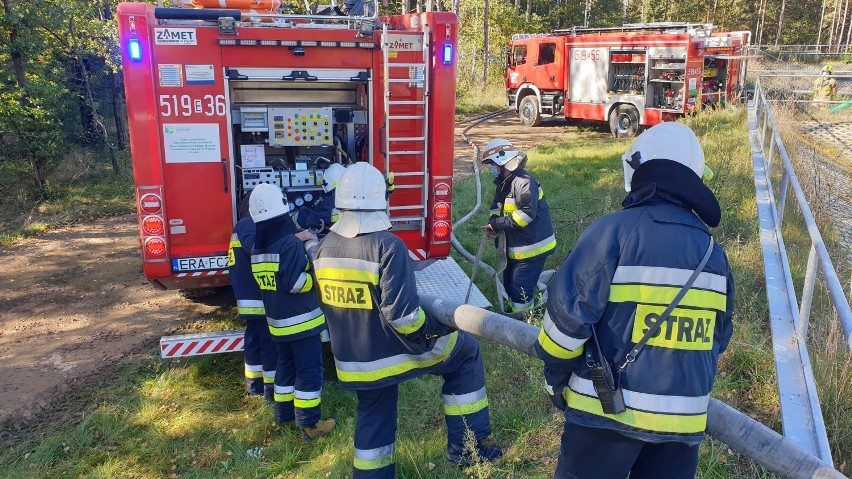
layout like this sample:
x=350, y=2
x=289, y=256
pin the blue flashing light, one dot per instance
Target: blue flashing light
x=448, y=54
x=135, y=50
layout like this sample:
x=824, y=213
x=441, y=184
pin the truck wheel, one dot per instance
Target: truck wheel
x=529, y=111
x=624, y=121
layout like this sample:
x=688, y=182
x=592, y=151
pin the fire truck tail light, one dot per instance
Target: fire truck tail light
x=442, y=211
x=134, y=49
x=150, y=203
x=448, y=54
x=155, y=246
x=153, y=225
x=441, y=230
x=442, y=192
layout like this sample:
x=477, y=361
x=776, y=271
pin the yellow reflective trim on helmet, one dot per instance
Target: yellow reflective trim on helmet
x=642, y=293
x=556, y=350
x=675, y=423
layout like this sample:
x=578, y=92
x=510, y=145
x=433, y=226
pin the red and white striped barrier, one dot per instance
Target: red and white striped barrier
x=194, y=274
x=185, y=345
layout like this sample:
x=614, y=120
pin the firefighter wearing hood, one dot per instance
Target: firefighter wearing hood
x=520, y=211
x=625, y=270
x=382, y=337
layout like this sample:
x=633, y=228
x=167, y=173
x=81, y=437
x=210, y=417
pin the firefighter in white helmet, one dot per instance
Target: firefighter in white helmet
x=520, y=210
x=280, y=266
x=261, y=353
x=321, y=213
x=825, y=87
x=380, y=335
x=607, y=299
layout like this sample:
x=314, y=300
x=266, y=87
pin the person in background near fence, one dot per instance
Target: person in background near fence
x=646, y=414
x=280, y=266
x=261, y=354
x=825, y=87
x=520, y=210
x=382, y=337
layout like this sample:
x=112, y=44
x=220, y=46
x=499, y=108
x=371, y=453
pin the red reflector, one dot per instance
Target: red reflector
x=153, y=225
x=155, y=246
x=151, y=203
x=442, y=211
x=441, y=230
x=442, y=192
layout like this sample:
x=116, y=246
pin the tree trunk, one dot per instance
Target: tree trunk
x=404, y=7
x=821, y=21
x=780, y=22
x=833, y=25
x=517, y=5
x=456, y=6
x=529, y=9
x=96, y=117
x=118, y=111
x=760, y=22
x=843, y=23
x=485, y=44
x=14, y=49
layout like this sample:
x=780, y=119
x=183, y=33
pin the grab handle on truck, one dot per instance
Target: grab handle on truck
x=225, y=172
x=299, y=75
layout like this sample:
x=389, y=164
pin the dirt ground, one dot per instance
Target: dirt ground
x=74, y=302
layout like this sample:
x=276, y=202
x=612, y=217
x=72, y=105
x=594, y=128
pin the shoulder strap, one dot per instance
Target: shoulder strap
x=634, y=353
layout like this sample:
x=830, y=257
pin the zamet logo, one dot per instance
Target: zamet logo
x=175, y=36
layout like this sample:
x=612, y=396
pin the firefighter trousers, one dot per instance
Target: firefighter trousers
x=591, y=453
x=298, y=381
x=261, y=355
x=465, y=407
x=520, y=279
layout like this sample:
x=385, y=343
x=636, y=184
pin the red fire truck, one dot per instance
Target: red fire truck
x=638, y=74
x=220, y=100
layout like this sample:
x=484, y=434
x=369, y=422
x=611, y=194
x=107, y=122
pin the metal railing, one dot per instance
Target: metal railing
x=789, y=320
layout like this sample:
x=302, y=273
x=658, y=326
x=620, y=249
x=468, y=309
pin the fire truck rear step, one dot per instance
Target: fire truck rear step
x=443, y=278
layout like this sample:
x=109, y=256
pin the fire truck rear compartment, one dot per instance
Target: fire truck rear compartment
x=288, y=133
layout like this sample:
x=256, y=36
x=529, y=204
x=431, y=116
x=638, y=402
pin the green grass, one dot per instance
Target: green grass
x=472, y=99
x=79, y=188
x=190, y=418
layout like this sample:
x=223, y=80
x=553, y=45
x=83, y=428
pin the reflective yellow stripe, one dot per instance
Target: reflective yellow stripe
x=283, y=397
x=464, y=409
x=532, y=253
x=235, y=243
x=348, y=275
x=641, y=293
x=676, y=423
x=251, y=311
x=556, y=350
x=414, y=326
x=306, y=403
x=264, y=267
x=371, y=459
x=297, y=328
x=309, y=284
x=401, y=368
x=540, y=193
x=518, y=219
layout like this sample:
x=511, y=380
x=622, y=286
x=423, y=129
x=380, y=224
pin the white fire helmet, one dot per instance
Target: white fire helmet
x=666, y=141
x=362, y=200
x=331, y=176
x=267, y=202
x=502, y=153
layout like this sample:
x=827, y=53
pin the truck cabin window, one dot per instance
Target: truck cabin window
x=519, y=55
x=546, y=53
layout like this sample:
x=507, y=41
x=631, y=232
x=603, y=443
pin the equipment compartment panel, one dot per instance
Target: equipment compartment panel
x=300, y=127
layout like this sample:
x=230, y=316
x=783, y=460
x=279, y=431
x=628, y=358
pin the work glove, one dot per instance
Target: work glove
x=558, y=399
x=555, y=383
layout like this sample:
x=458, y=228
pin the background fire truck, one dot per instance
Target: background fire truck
x=220, y=100
x=640, y=74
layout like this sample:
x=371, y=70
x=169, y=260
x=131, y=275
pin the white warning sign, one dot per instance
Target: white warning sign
x=191, y=142
x=402, y=43
x=175, y=36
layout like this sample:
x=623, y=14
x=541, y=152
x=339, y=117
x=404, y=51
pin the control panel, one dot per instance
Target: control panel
x=300, y=127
